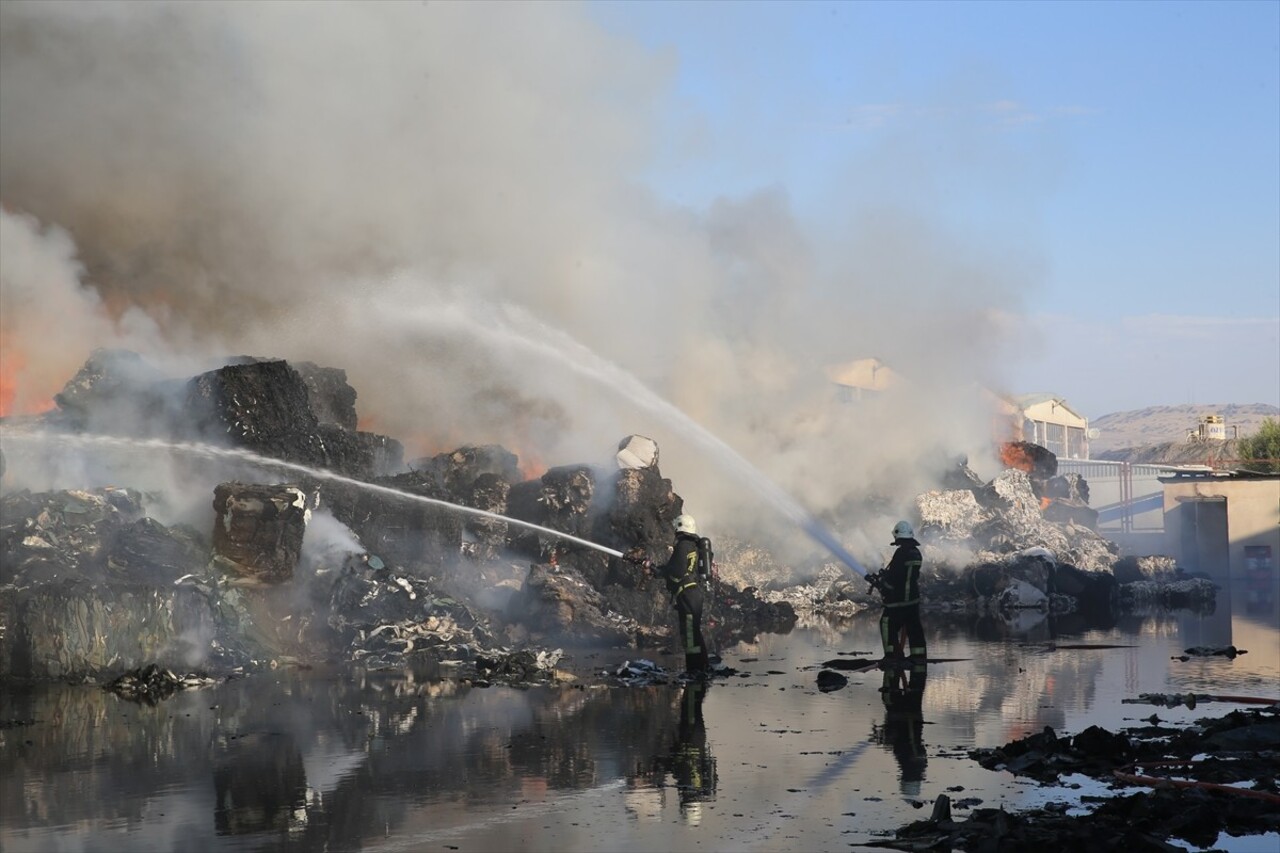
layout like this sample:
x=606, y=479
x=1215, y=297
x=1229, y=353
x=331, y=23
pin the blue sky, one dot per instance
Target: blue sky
x=1127, y=153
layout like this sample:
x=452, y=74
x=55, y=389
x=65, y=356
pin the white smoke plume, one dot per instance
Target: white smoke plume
x=372, y=186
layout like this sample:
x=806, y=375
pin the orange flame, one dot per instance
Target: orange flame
x=12, y=364
x=1014, y=456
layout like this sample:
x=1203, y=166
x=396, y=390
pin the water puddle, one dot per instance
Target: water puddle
x=759, y=760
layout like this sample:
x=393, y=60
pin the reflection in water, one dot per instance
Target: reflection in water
x=687, y=760
x=692, y=764
x=259, y=782
x=902, y=692
x=308, y=761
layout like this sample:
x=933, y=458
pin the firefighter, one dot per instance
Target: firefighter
x=684, y=578
x=899, y=587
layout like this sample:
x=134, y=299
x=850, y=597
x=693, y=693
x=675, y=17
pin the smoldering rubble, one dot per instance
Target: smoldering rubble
x=457, y=561
x=1021, y=546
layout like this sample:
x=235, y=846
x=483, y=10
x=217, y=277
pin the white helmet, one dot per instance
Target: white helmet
x=903, y=530
x=686, y=524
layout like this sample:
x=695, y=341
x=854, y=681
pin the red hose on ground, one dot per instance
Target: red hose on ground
x=1162, y=782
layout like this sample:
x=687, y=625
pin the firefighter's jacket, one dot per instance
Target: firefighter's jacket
x=900, y=580
x=681, y=571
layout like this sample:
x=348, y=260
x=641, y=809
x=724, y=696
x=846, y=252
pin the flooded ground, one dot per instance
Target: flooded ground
x=760, y=760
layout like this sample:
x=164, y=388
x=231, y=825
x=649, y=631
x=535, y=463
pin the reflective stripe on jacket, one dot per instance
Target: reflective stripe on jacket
x=681, y=571
x=901, y=578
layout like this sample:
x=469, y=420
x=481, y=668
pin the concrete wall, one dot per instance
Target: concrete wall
x=1252, y=513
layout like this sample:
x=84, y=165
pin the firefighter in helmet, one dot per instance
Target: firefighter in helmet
x=684, y=580
x=899, y=587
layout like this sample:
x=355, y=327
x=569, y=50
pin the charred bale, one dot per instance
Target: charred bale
x=361, y=455
x=1039, y=463
x=94, y=590
x=559, y=604
x=263, y=406
x=524, y=503
x=258, y=530
x=1153, y=569
x=566, y=495
x=487, y=492
x=1019, y=582
x=115, y=391
x=73, y=628
x=480, y=478
x=332, y=398
x=1094, y=590
x=49, y=535
x=1063, y=511
x=560, y=500
x=148, y=552
x=639, y=517
x=458, y=470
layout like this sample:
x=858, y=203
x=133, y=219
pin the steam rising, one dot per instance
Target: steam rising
x=374, y=186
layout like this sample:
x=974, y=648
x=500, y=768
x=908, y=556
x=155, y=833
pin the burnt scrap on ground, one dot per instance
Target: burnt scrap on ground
x=240, y=589
x=1194, y=784
x=997, y=551
x=415, y=578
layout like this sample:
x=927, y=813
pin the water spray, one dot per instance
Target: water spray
x=212, y=452
x=513, y=325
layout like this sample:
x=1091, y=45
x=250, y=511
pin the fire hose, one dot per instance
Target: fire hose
x=1167, y=700
x=1163, y=782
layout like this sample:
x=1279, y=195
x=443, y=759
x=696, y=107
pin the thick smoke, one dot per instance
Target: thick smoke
x=376, y=186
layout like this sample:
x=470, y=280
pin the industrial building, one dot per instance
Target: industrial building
x=1048, y=421
x=1226, y=524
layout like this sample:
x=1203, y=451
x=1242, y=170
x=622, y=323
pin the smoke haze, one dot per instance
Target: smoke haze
x=377, y=186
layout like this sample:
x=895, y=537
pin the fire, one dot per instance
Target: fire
x=12, y=365
x=530, y=466
x=8, y=384
x=1015, y=456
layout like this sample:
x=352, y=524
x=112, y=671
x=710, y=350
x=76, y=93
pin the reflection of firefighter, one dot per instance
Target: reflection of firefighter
x=692, y=763
x=259, y=784
x=903, y=730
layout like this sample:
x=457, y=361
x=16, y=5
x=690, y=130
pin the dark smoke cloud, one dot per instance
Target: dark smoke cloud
x=368, y=185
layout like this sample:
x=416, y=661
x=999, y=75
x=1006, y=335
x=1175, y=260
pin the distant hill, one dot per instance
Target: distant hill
x=1169, y=425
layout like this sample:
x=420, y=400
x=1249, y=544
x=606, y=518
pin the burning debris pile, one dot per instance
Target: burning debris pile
x=1035, y=546
x=92, y=586
x=1026, y=540
x=446, y=560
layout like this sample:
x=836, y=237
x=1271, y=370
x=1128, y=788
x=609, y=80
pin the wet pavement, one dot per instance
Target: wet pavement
x=760, y=760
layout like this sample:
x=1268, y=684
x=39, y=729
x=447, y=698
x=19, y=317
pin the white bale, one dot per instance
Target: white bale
x=637, y=451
